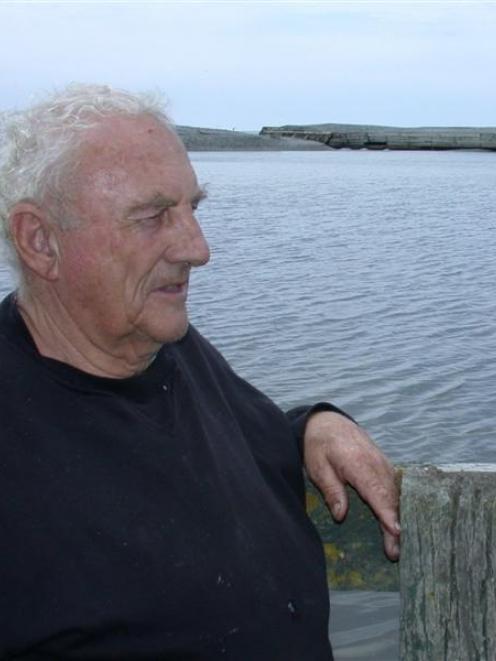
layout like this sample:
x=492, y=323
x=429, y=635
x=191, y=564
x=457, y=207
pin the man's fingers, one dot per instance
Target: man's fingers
x=390, y=523
x=391, y=545
x=332, y=489
x=371, y=474
x=381, y=494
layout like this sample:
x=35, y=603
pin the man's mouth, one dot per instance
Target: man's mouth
x=175, y=288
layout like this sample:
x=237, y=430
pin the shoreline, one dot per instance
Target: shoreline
x=205, y=139
x=324, y=137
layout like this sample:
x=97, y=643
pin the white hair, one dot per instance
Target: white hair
x=38, y=143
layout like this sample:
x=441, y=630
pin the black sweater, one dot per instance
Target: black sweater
x=155, y=517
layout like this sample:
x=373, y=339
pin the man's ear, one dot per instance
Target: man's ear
x=35, y=240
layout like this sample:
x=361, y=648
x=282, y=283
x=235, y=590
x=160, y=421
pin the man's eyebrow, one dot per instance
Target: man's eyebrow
x=159, y=201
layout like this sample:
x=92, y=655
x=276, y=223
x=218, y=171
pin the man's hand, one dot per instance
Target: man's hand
x=339, y=452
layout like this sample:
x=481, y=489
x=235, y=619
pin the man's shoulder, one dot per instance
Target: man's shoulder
x=207, y=367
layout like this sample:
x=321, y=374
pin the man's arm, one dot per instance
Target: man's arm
x=337, y=452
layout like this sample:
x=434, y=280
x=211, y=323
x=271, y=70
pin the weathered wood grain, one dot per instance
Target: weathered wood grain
x=448, y=564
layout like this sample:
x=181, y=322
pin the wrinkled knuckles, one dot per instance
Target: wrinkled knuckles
x=318, y=473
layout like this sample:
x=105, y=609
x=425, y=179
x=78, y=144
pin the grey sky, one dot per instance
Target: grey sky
x=246, y=64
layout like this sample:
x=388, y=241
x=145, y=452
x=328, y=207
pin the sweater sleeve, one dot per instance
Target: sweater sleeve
x=299, y=416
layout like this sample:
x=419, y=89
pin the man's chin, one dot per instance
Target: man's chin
x=169, y=331
x=179, y=335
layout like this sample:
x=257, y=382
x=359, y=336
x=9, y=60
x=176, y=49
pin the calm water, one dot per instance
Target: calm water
x=366, y=279
x=363, y=278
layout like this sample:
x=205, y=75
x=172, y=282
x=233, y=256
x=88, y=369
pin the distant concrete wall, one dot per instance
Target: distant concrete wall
x=340, y=136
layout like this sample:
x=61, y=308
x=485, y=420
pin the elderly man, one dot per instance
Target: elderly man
x=151, y=500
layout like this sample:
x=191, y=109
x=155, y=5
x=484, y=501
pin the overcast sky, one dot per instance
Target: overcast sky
x=248, y=64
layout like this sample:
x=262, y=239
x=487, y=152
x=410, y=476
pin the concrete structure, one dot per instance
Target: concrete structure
x=355, y=136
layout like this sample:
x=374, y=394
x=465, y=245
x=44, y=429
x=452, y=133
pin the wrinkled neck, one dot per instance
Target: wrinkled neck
x=57, y=335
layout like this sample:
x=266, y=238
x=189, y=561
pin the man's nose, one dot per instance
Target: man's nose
x=189, y=243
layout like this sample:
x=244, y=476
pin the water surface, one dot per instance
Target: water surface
x=364, y=278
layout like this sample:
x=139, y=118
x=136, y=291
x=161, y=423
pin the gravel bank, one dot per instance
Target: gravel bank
x=204, y=139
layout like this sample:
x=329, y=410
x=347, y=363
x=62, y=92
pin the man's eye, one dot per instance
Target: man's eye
x=154, y=218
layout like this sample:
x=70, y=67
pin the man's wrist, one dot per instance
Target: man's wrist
x=300, y=415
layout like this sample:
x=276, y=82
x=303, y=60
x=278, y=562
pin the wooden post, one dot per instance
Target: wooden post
x=448, y=563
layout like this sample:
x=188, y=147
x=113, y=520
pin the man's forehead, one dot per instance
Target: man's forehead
x=117, y=140
x=130, y=127
x=129, y=160
x=107, y=179
x=109, y=150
